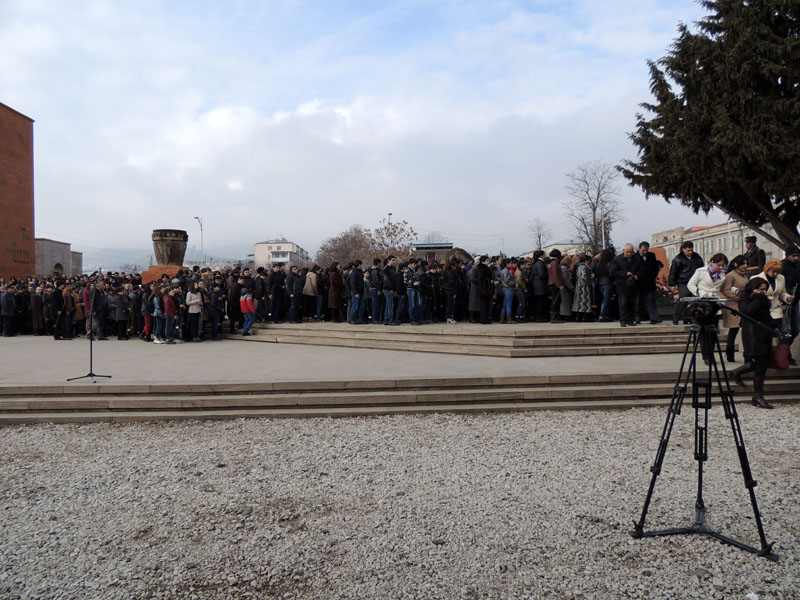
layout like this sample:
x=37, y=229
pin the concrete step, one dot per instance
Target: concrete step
x=324, y=412
x=775, y=388
x=553, y=340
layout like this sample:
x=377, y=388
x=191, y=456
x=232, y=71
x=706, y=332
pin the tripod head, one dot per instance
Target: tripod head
x=704, y=310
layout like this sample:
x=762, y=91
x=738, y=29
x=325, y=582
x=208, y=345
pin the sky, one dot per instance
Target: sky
x=299, y=119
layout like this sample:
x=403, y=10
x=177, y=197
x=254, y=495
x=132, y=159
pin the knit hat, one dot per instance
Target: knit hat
x=790, y=250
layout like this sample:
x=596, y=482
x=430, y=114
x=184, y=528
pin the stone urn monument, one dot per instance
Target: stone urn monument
x=170, y=247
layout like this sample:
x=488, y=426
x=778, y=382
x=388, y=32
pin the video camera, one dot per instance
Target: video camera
x=705, y=310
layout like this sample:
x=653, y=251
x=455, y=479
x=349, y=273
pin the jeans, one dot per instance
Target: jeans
x=605, y=303
x=215, y=321
x=508, y=302
x=449, y=305
x=356, y=308
x=519, y=295
x=158, y=327
x=249, y=319
x=388, y=315
x=294, y=308
x=402, y=309
x=413, y=304
x=377, y=313
x=169, y=332
x=320, y=312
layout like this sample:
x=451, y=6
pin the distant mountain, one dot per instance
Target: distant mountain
x=115, y=259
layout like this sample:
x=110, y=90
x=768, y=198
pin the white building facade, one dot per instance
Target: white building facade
x=265, y=254
x=727, y=238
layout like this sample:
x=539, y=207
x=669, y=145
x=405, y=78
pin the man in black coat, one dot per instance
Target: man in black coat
x=624, y=271
x=8, y=311
x=355, y=281
x=680, y=272
x=294, y=289
x=791, y=274
x=648, y=266
x=276, y=286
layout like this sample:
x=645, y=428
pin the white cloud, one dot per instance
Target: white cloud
x=468, y=128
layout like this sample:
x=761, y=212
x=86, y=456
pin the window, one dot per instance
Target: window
x=278, y=248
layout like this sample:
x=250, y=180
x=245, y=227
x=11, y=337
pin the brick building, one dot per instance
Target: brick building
x=17, y=249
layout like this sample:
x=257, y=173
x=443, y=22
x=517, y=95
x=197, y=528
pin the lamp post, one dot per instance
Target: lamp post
x=202, y=247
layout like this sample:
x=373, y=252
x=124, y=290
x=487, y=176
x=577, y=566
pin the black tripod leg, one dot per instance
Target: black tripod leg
x=730, y=413
x=674, y=410
x=701, y=427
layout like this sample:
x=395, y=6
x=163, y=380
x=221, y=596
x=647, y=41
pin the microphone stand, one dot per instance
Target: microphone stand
x=91, y=374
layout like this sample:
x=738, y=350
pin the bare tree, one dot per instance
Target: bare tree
x=391, y=238
x=344, y=247
x=594, y=205
x=541, y=232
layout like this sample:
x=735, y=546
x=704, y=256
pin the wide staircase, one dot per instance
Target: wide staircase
x=527, y=340
x=125, y=403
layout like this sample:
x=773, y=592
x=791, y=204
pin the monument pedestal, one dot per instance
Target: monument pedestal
x=154, y=273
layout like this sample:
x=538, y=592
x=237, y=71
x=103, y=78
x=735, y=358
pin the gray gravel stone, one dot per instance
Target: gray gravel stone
x=529, y=505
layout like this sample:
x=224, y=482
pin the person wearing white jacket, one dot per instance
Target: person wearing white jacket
x=706, y=283
x=779, y=298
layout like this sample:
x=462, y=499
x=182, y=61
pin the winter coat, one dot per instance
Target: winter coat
x=481, y=286
x=336, y=291
x=601, y=273
x=293, y=284
x=756, y=259
x=310, y=287
x=37, y=312
x=702, y=284
x=170, y=308
x=194, y=300
x=554, y=274
x=756, y=341
x=388, y=278
x=450, y=281
x=791, y=276
x=566, y=292
x=376, y=278
x=648, y=266
x=732, y=280
x=619, y=269
x=507, y=281
x=777, y=294
x=584, y=286
x=121, y=307
x=77, y=299
x=246, y=304
x=8, y=306
x=356, y=281
x=537, y=283
x=683, y=267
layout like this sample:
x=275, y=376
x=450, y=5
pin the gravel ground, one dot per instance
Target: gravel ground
x=531, y=505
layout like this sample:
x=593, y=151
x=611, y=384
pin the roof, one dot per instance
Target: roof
x=434, y=246
x=16, y=111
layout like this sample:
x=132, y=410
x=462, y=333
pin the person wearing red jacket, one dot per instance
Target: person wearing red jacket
x=170, y=314
x=248, y=310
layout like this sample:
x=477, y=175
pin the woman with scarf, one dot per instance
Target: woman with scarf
x=733, y=286
x=707, y=282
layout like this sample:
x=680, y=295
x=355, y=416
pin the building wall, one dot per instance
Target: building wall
x=289, y=253
x=53, y=257
x=727, y=238
x=17, y=248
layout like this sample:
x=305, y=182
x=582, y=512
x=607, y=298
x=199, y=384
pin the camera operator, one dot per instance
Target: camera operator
x=706, y=282
x=756, y=340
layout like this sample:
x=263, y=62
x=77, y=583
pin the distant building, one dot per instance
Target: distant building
x=57, y=258
x=727, y=238
x=270, y=252
x=17, y=248
x=565, y=246
x=432, y=251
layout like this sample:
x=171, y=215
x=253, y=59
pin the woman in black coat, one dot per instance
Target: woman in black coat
x=481, y=290
x=756, y=340
x=537, y=284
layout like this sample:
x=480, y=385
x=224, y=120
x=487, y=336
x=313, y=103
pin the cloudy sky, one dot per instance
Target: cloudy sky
x=299, y=118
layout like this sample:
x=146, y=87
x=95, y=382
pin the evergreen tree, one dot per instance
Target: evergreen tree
x=724, y=129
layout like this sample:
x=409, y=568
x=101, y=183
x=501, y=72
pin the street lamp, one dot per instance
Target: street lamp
x=202, y=248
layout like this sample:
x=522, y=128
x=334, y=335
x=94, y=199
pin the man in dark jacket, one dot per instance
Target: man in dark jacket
x=648, y=267
x=58, y=309
x=389, y=289
x=8, y=311
x=294, y=290
x=376, y=291
x=215, y=306
x=680, y=272
x=756, y=257
x=356, y=284
x=791, y=274
x=624, y=271
x=98, y=309
x=276, y=286
x=259, y=293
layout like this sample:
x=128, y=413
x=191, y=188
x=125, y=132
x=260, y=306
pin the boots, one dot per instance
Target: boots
x=555, y=317
x=739, y=371
x=731, y=345
x=758, y=393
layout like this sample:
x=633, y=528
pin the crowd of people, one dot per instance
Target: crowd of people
x=195, y=304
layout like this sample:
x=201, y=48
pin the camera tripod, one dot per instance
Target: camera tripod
x=705, y=333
